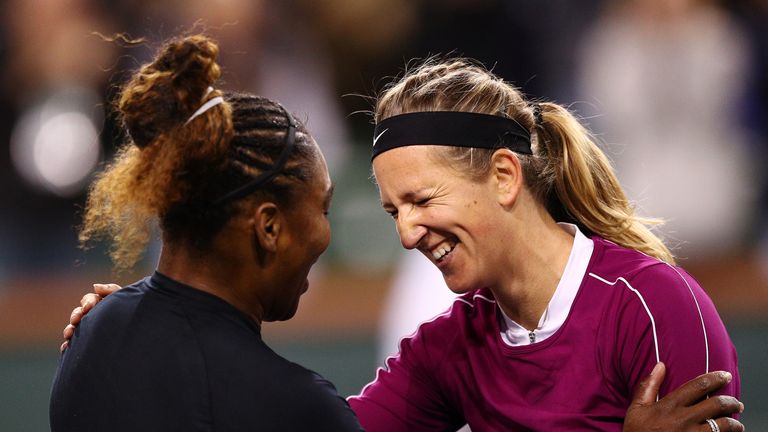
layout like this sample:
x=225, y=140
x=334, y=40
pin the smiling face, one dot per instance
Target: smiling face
x=307, y=235
x=452, y=220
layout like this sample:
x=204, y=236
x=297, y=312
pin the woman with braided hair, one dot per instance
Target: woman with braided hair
x=567, y=299
x=241, y=193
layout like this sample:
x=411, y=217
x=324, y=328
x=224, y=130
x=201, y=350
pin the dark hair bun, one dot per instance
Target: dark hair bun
x=164, y=93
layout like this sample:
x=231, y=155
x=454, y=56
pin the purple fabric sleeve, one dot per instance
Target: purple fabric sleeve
x=685, y=331
x=404, y=396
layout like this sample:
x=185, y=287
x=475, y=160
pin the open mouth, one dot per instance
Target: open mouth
x=443, y=250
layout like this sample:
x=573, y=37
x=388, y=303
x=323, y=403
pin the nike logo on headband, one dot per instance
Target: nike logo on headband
x=376, y=138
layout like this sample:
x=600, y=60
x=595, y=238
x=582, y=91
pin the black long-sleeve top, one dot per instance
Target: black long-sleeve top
x=162, y=356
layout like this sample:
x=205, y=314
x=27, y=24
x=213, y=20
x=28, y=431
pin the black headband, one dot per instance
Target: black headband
x=263, y=178
x=450, y=128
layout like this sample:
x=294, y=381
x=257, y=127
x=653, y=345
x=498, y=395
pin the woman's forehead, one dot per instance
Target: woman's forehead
x=409, y=169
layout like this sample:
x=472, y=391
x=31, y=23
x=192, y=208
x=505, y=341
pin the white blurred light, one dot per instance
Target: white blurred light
x=55, y=145
x=66, y=149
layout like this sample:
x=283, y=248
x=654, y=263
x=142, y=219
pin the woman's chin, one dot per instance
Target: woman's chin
x=458, y=287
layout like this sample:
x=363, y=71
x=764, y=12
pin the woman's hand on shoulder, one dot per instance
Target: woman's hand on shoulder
x=686, y=408
x=86, y=304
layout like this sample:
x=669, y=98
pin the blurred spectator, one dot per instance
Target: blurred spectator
x=669, y=75
x=53, y=78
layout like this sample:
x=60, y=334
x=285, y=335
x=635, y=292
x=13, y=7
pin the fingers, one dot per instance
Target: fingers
x=100, y=291
x=68, y=332
x=684, y=408
x=697, y=388
x=727, y=424
x=105, y=289
x=76, y=315
x=649, y=387
x=86, y=304
x=717, y=406
x=89, y=301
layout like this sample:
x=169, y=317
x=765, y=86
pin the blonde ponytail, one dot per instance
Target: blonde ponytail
x=583, y=182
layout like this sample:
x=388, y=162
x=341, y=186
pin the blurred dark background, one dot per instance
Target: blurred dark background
x=676, y=90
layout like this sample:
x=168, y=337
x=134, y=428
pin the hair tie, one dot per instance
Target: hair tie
x=206, y=106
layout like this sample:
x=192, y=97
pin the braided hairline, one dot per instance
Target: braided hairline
x=260, y=126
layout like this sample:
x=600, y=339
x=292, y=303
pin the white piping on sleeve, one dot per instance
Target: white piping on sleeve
x=701, y=316
x=645, y=306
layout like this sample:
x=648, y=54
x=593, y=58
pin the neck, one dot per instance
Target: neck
x=535, y=266
x=216, y=273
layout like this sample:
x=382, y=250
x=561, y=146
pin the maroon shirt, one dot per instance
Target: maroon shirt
x=630, y=312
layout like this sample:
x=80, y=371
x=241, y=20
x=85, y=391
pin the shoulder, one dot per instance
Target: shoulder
x=646, y=285
x=611, y=261
x=123, y=345
x=250, y=382
x=246, y=364
x=659, y=312
x=643, y=275
x=113, y=315
x=616, y=265
x=273, y=391
x=125, y=297
x=468, y=315
x=425, y=352
x=648, y=295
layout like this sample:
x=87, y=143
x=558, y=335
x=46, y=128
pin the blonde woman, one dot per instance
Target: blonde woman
x=567, y=300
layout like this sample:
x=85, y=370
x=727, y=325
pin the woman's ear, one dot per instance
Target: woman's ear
x=266, y=225
x=507, y=174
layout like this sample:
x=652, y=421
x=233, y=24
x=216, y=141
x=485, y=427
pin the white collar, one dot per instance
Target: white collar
x=554, y=316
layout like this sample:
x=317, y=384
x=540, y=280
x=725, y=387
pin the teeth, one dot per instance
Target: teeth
x=441, y=251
